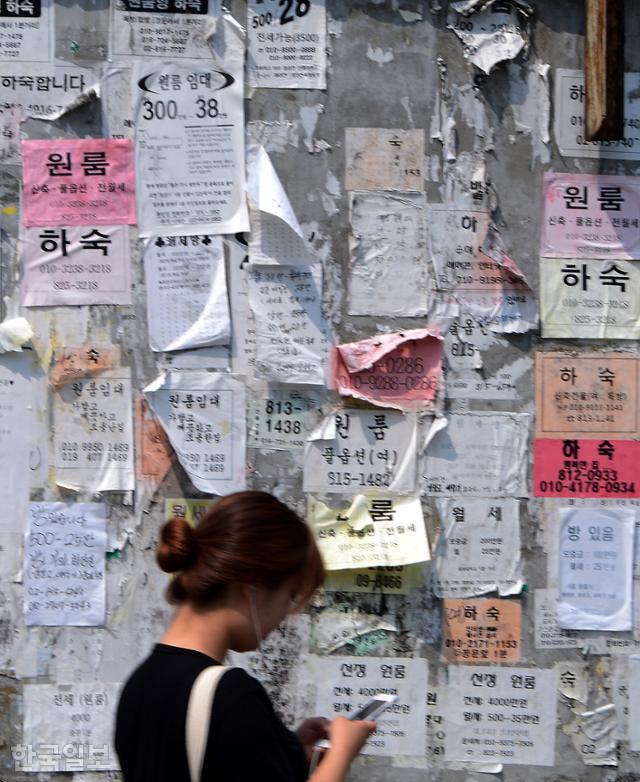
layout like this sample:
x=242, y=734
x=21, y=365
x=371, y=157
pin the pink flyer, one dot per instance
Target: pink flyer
x=591, y=216
x=586, y=468
x=402, y=370
x=78, y=182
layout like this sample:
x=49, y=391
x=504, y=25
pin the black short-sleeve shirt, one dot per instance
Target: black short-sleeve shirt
x=247, y=740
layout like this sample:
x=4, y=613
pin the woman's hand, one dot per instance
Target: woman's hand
x=349, y=736
x=312, y=730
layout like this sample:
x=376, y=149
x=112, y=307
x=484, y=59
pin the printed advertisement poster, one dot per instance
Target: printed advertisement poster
x=384, y=159
x=93, y=433
x=68, y=727
x=281, y=419
x=548, y=633
x=287, y=44
x=86, y=181
x=598, y=299
x=586, y=468
x=402, y=370
x=64, y=557
x=26, y=31
x=389, y=580
x=75, y=265
x=501, y=715
x=371, y=531
x=189, y=134
x=187, y=305
x=389, y=271
x=345, y=684
x=590, y=216
x=481, y=631
x=203, y=415
x=569, y=100
x=595, y=558
x=163, y=28
x=46, y=90
x=292, y=336
x=591, y=395
x=362, y=450
x=478, y=454
x=479, y=547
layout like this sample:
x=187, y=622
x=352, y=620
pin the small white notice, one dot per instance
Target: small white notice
x=345, y=684
x=163, y=28
x=569, y=104
x=75, y=265
x=189, y=140
x=68, y=727
x=93, y=433
x=186, y=292
x=292, y=336
x=389, y=271
x=370, y=532
x=204, y=417
x=362, y=451
x=64, y=556
x=26, y=28
x=287, y=44
x=634, y=702
x=501, y=715
x=479, y=548
x=548, y=633
x=280, y=419
x=595, y=568
x=479, y=454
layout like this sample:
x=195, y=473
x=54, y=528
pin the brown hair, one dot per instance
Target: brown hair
x=249, y=537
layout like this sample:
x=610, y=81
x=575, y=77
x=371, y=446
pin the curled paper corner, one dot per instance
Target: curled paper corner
x=363, y=354
x=437, y=425
x=467, y=7
x=14, y=333
x=493, y=247
x=325, y=430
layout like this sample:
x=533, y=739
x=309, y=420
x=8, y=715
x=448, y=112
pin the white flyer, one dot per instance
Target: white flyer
x=75, y=265
x=292, y=336
x=389, y=271
x=44, y=89
x=117, y=113
x=163, y=28
x=369, y=532
x=26, y=31
x=243, y=327
x=186, y=283
x=64, y=557
x=204, y=416
x=500, y=714
x=345, y=684
x=189, y=137
x=596, y=547
x=569, y=103
x=68, y=727
x=362, y=451
x=93, y=433
x=287, y=44
x=276, y=235
x=478, y=454
x=17, y=432
x=479, y=547
x=548, y=633
x=281, y=419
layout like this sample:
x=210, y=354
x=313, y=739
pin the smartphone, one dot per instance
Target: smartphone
x=369, y=711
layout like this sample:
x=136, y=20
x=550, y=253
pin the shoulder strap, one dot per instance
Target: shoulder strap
x=199, y=715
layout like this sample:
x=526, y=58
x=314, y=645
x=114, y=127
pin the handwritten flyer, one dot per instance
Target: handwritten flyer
x=64, y=558
x=86, y=182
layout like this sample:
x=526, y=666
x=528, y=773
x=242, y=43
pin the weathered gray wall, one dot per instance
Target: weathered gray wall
x=427, y=61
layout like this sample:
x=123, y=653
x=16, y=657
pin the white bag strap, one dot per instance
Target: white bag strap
x=199, y=715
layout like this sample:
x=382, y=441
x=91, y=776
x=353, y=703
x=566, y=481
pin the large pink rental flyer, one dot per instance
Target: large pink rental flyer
x=78, y=182
x=591, y=216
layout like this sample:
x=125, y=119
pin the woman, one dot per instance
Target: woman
x=248, y=563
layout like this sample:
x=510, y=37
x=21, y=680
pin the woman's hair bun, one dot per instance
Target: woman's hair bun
x=178, y=547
